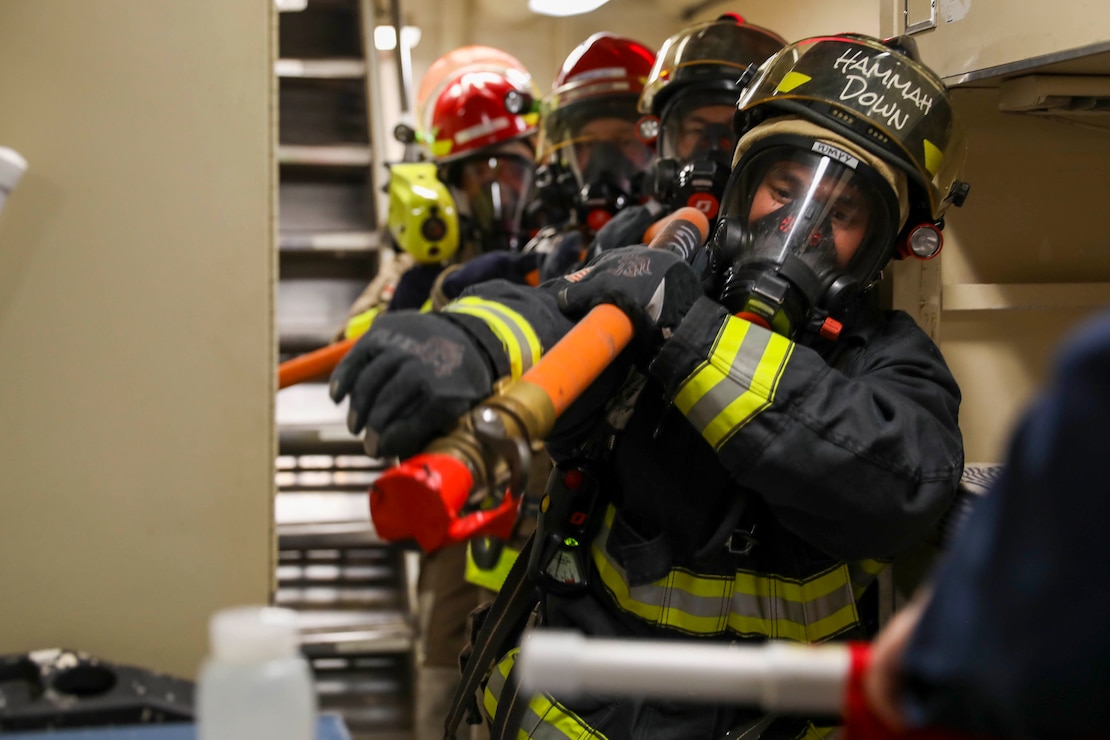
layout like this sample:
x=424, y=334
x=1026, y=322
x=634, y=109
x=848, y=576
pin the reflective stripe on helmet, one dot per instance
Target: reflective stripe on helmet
x=517, y=336
x=746, y=603
x=544, y=719
x=736, y=382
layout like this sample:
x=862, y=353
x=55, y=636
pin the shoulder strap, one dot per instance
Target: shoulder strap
x=510, y=608
x=511, y=706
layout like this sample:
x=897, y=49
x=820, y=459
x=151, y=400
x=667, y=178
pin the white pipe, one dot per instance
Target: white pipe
x=776, y=676
x=12, y=167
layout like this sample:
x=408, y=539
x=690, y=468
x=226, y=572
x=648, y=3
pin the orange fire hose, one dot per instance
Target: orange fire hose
x=569, y=367
x=314, y=364
x=581, y=355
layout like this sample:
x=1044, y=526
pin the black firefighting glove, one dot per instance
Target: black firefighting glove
x=626, y=228
x=654, y=287
x=511, y=266
x=409, y=378
x=414, y=287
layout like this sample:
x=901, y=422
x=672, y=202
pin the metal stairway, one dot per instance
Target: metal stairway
x=354, y=592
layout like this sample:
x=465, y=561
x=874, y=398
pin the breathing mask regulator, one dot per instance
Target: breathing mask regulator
x=608, y=184
x=849, y=156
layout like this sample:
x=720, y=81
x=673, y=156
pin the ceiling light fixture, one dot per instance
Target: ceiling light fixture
x=385, y=38
x=564, y=7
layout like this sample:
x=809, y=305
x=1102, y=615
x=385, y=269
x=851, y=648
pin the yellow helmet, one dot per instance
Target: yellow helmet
x=422, y=216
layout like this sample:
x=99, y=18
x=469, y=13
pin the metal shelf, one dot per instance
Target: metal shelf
x=1024, y=297
x=336, y=241
x=321, y=69
x=325, y=156
x=353, y=592
x=326, y=633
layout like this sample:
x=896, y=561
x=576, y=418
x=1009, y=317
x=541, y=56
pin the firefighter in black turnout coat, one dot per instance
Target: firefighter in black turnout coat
x=771, y=438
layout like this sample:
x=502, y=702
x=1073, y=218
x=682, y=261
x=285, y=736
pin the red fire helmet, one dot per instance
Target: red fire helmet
x=471, y=114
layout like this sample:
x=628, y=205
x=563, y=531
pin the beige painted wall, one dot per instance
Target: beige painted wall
x=136, y=281
x=542, y=43
x=1036, y=214
x=1034, y=226
x=974, y=35
x=798, y=20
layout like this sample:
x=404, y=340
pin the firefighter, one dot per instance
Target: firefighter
x=590, y=111
x=771, y=438
x=483, y=154
x=688, y=104
x=692, y=94
x=591, y=161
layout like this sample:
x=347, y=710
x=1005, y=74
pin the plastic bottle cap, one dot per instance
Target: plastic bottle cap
x=12, y=167
x=250, y=634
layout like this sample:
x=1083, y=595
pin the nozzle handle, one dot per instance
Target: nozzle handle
x=777, y=676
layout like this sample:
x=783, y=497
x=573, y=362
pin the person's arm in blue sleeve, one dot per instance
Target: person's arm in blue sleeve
x=1014, y=640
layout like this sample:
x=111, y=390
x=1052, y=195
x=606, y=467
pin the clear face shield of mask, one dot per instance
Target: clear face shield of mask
x=494, y=191
x=803, y=232
x=699, y=127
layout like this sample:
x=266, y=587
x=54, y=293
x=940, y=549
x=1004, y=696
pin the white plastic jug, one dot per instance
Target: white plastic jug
x=255, y=684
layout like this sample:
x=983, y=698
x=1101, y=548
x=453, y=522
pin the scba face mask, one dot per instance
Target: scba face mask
x=696, y=152
x=493, y=191
x=805, y=228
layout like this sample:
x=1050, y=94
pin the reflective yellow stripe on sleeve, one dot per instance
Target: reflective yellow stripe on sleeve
x=736, y=382
x=515, y=334
x=746, y=603
x=359, y=324
x=545, y=719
